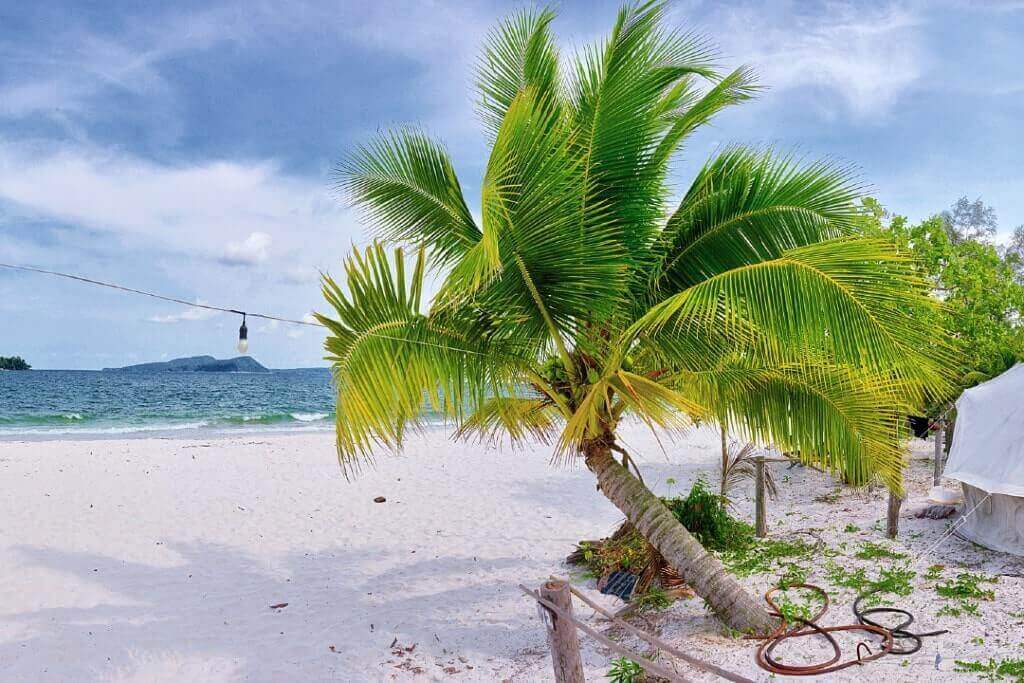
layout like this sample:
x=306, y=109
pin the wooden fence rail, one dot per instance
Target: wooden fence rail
x=564, y=613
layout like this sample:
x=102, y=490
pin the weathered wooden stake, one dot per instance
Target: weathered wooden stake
x=565, y=646
x=760, y=511
x=725, y=462
x=940, y=434
x=892, y=519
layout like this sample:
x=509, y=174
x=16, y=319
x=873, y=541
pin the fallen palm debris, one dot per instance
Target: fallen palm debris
x=936, y=512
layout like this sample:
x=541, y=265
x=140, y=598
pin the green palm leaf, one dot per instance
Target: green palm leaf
x=406, y=185
x=391, y=363
x=849, y=296
x=533, y=264
x=839, y=418
x=518, y=418
x=690, y=110
x=747, y=206
x=519, y=54
x=619, y=95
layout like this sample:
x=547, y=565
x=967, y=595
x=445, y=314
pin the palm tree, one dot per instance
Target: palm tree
x=577, y=299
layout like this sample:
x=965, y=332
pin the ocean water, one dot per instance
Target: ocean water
x=41, y=404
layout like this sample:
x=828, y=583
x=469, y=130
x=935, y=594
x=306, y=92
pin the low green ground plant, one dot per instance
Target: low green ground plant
x=792, y=575
x=967, y=586
x=625, y=671
x=993, y=669
x=876, y=551
x=793, y=609
x=761, y=556
x=889, y=580
x=960, y=609
x=963, y=592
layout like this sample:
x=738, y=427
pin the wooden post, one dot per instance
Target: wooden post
x=760, y=511
x=940, y=433
x=892, y=519
x=565, y=646
x=725, y=462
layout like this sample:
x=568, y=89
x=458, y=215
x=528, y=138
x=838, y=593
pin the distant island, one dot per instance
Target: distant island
x=13, y=363
x=197, y=364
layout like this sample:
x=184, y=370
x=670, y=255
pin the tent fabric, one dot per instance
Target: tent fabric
x=993, y=520
x=988, y=440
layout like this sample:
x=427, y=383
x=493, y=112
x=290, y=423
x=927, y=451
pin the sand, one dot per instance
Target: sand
x=163, y=559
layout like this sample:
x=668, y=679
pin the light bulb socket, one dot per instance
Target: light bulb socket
x=243, y=331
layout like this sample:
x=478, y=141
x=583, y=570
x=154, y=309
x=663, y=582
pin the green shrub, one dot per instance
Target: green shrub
x=625, y=671
x=704, y=514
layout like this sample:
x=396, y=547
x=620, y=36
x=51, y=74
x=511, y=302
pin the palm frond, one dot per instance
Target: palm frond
x=617, y=100
x=691, y=110
x=748, y=206
x=622, y=392
x=839, y=418
x=850, y=297
x=519, y=53
x=518, y=418
x=391, y=363
x=740, y=468
x=532, y=263
x=406, y=185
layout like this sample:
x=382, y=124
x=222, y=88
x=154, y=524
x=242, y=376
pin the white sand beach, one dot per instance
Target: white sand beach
x=160, y=559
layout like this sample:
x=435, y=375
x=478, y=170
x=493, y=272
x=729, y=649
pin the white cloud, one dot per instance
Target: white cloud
x=79, y=67
x=195, y=209
x=255, y=249
x=867, y=56
x=189, y=314
x=71, y=80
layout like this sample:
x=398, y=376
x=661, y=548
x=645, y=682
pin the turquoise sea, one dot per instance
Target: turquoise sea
x=55, y=404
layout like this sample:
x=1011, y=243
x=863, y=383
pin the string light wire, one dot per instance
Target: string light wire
x=172, y=299
x=185, y=302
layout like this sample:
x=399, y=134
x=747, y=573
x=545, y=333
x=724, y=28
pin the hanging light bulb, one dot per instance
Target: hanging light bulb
x=243, y=337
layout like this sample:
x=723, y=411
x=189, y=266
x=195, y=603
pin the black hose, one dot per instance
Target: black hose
x=809, y=627
x=899, y=632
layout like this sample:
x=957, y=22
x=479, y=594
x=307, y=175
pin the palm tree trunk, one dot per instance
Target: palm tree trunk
x=701, y=570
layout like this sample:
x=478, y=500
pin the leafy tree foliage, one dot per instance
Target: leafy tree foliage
x=1015, y=252
x=979, y=284
x=969, y=221
x=13, y=363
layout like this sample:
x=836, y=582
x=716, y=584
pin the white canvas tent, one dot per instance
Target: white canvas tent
x=987, y=458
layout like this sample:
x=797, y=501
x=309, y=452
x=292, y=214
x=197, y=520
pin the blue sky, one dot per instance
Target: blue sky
x=188, y=147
